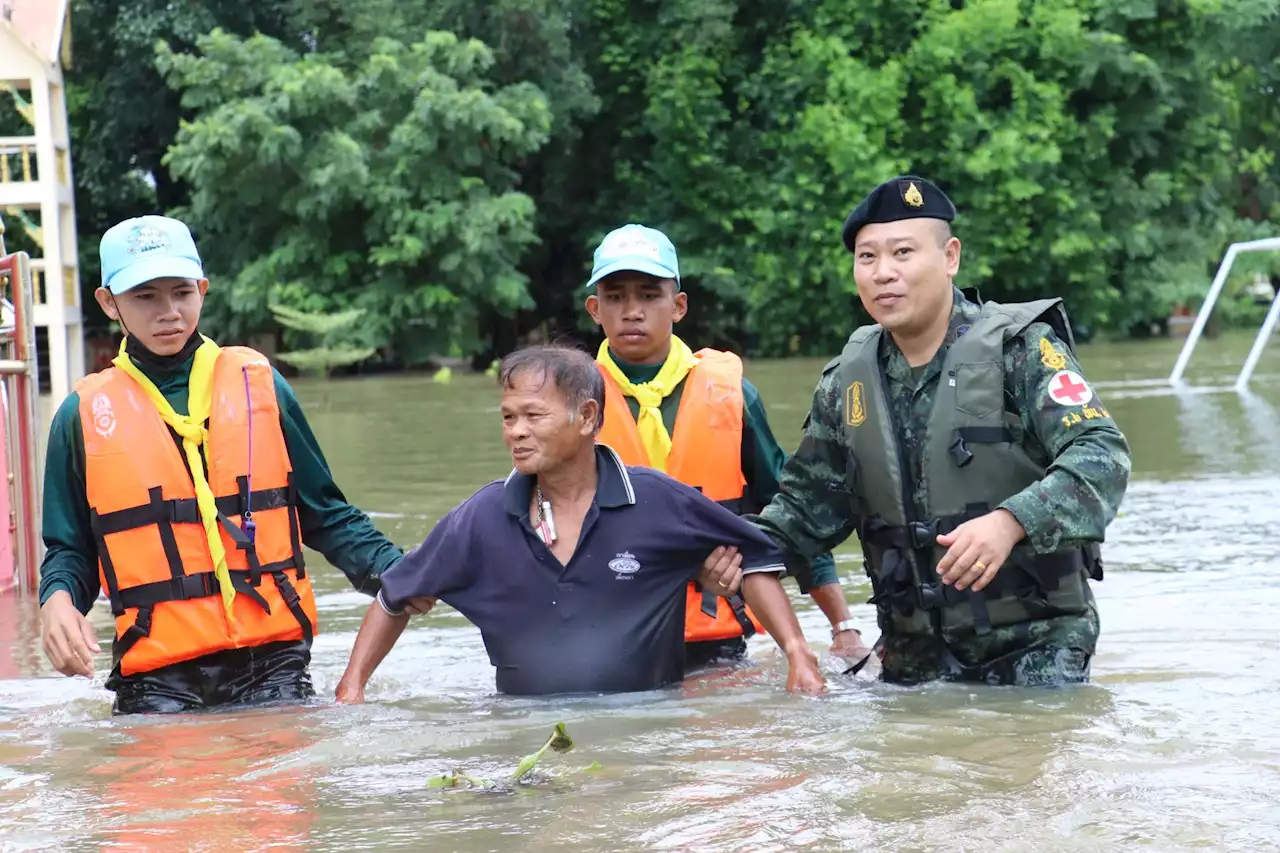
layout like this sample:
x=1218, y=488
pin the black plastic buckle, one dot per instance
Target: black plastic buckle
x=960, y=452
x=184, y=511
x=922, y=535
x=187, y=587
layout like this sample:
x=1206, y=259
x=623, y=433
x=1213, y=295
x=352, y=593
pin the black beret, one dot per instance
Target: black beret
x=906, y=197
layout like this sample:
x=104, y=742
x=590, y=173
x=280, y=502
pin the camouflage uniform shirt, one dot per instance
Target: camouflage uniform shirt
x=1087, y=463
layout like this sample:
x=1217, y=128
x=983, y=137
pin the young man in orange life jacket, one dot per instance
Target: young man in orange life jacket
x=184, y=481
x=695, y=417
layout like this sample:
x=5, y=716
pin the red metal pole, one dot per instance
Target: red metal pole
x=23, y=405
x=27, y=391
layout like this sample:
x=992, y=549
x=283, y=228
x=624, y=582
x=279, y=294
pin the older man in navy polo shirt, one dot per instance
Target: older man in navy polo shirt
x=574, y=567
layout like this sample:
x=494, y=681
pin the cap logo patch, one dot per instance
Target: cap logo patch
x=146, y=238
x=630, y=245
x=912, y=195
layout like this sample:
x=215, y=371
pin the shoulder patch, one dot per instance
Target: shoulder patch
x=1068, y=388
x=1050, y=356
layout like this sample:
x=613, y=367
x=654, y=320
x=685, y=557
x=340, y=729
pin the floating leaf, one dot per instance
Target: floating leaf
x=446, y=781
x=558, y=741
x=457, y=779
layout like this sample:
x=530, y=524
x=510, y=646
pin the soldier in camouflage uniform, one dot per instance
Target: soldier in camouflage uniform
x=962, y=443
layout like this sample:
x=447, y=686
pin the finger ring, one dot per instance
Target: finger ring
x=723, y=584
x=980, y=566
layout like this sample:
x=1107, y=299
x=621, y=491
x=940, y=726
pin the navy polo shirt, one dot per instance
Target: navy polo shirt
x=612, y=620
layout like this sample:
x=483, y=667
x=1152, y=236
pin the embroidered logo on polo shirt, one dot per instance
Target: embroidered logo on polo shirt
x=625, y=564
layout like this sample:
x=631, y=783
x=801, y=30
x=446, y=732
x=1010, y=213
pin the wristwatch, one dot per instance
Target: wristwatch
x=841, y=627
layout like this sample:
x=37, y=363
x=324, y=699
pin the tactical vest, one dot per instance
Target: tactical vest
x=972, y=459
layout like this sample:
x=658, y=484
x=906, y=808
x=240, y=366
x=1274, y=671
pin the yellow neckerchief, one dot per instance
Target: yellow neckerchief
x=191, y=429
x=653, y=432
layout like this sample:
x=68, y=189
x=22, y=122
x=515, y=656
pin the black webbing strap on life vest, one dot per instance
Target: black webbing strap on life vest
x=1044, y=572
x=181, y=586
x=204, y=585
x=711, y=606
x=187, y=510
x=964, y=436
x=245, y=544
x=295, y=532
x=899, y=587
x=158, y=509
x=739, y=607
x=165, y=513
x=294, y=603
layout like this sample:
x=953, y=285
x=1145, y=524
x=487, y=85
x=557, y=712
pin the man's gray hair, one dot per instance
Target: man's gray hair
x=573, y=372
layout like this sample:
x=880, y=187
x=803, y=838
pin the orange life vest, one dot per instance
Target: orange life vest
x=153, y=554
x=706, y=453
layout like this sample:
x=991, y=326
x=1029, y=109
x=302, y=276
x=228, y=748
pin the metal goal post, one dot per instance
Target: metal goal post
x=1270, y=244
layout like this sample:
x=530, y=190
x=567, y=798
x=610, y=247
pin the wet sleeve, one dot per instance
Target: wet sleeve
x=438, y=568
x=1063, y=420
x=705, y=525
x=71, y=556
x=342, y=533
x=762, y=463
x=812, y=512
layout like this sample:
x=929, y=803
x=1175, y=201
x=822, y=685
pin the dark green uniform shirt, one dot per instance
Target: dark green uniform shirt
x=762, y=459
x=341, y=532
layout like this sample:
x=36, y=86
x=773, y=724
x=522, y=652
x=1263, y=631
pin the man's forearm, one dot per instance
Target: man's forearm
x=768, y=601
x=378, y=634
x=830, y=597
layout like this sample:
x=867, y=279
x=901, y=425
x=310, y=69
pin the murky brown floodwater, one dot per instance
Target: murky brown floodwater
x=1175, y=746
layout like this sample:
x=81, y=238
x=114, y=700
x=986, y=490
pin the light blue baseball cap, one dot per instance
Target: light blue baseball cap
x=635, y=248
x=146, y=248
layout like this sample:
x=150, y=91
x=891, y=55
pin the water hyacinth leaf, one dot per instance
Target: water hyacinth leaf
x=457, y=779
x=447, y=781
x=559, y=741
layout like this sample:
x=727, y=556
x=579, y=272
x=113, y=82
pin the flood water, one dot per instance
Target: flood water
x=1174, y=746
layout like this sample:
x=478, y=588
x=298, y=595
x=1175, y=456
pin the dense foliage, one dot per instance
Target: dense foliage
x=447, y=168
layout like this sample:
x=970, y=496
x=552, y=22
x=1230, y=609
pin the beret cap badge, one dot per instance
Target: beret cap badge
x=912, y=195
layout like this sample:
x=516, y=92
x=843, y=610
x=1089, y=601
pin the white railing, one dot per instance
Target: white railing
x=18, y=161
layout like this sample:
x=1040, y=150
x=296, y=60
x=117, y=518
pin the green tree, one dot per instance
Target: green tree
x=386, y=185
x=121, y=115
x=333, y=332
x=1085, y=142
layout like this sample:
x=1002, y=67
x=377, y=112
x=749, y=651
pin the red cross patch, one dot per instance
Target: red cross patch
x=1068, y=388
